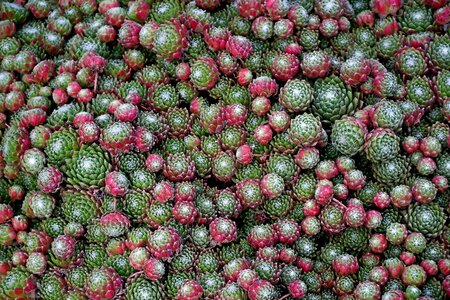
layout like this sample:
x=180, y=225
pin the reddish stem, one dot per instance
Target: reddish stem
x=95, y=82
x=338, y=203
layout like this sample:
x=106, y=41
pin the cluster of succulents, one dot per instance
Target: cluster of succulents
x=226, y=150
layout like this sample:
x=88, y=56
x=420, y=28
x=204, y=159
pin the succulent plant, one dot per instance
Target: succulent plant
x=254, y=150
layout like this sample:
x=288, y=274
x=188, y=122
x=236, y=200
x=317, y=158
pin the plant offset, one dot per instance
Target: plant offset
x=247, y=150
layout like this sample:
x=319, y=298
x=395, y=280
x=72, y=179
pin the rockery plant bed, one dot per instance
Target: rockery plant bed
x=246, y=150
